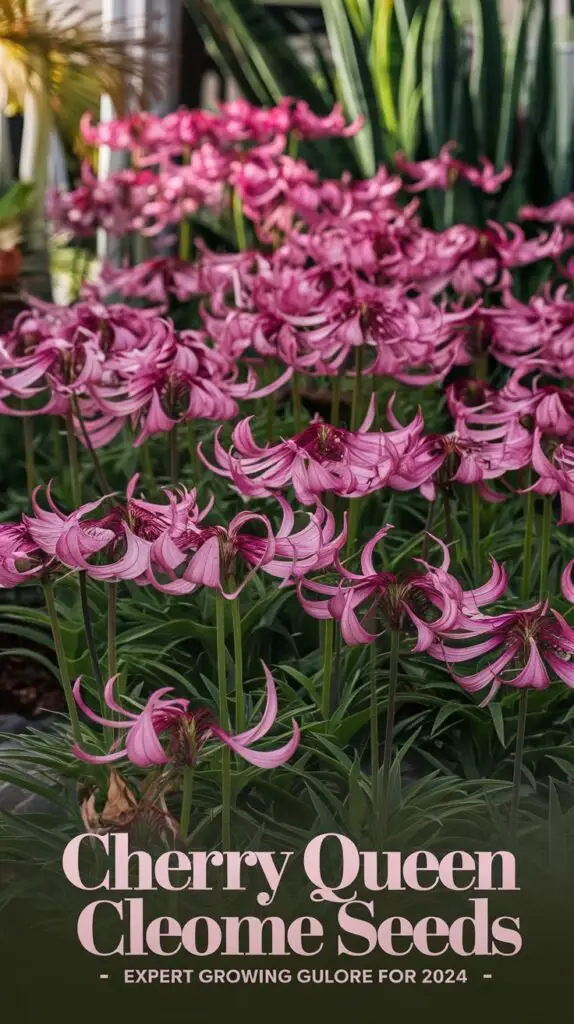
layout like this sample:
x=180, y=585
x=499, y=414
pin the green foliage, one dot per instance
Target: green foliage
x=422, y=73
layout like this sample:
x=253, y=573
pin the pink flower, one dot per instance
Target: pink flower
x=321, y=458
x=430, y=601
x=135, y=541
x=286, y=554
x=186, y=731
x=559, y=212
x=312, y=126
x=463, y=456
x=22, y=560
x=442, y=172
x=555, y=475
x=527, y=645
x=538, y=333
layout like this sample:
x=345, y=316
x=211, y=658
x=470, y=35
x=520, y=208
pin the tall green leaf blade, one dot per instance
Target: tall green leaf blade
x=354, y=81
x=487, y=77
x=262, y=41
x=410, y=94
x=516, y=66
x=439, y=57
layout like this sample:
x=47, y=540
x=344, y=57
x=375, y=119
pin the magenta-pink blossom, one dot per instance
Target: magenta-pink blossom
x=528, y=646
x=442, y=172
x=429, y=600
x=184, y=731
x=322, y=458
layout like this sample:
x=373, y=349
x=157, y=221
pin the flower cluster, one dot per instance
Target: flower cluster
x=165, y=545
x=110, y=365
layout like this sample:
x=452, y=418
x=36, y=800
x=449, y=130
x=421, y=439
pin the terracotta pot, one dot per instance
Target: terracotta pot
x=10, y=265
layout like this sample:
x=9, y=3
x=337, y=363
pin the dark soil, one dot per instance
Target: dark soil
x=26, y=687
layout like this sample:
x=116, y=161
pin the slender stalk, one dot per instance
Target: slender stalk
x=357, y=388
x=239, y=222
x=336, y=690
x=185, y=225
x=112, y=629
x=224, y=722
x=100, y=475
x=89, y=632
x=238, y=660
x=293, y=145
x=28, y=432
x=192, y=448
x=57, y=446
x=428, y=527
x=186, y=799
x=545, y=545
x=173, y=456
x=447, y=515
x=336, y=401
x=389, y=730
x=149, y=475
x=75, y=478
x=271, y=412
x=525, y=583
x=62, y=661
x=296, y=401
x=475, y=520
x=374, y=737
x=328, y=635
x=184, y=239
x=355, y=505
x=518, y=759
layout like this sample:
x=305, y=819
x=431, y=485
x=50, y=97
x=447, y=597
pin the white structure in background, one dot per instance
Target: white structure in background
x=139, y=18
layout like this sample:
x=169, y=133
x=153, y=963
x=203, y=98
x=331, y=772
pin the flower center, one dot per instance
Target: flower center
x=323, y=442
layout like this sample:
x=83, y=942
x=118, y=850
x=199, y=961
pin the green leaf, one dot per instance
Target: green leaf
x=487, y=75
x=354, y=83
x=410, y=92
x=439, y=61
x=516, y=66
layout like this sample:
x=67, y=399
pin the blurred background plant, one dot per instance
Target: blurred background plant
x=494, y=77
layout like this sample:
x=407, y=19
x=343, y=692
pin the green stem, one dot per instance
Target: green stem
x=112, y=627
x=238, y=659
x=149, y=475
x=296, y=401
x=336, y=401
x=75, y=479
x=526, y=581
x=224, y=722
x=100, y=475
x=293, y=145
x=475, y=518
x=328, y=634
x=271, y=413
x=428, y=527
x=447, y=515
x=57, y=446
x=374, y=736
x=89, y=632
x=355, y=505
x=28, y=431
x=545, y=545
x=389, y=729
x=62, y=662
x=192, y=448
x=173, y=456
x=186, y=798
x=518, y=759
x=239, y=222
x=357, y=389
x=185, y=225
x=184, y=239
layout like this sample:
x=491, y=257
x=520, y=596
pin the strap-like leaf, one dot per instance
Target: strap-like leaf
x=353, y=80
